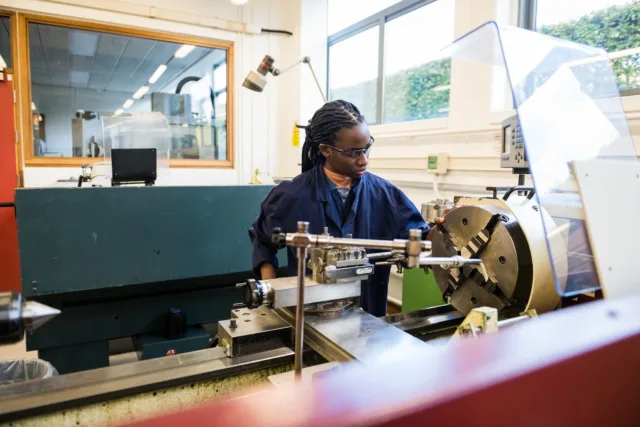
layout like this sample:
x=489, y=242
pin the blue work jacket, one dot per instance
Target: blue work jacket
x=378, y=210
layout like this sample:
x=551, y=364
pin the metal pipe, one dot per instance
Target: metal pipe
x=303, y=227
x=316, y=80
x=379, y=255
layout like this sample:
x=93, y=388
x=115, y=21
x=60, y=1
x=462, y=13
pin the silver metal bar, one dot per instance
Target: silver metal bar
x=303, y=227
x=313, y=73
x=66, y=391
x=380, y=255
x=305, y=60
x=284, y=70
x=322, y=240
x=454, y=261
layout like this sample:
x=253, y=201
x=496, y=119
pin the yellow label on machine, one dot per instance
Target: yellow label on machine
x=295, y=136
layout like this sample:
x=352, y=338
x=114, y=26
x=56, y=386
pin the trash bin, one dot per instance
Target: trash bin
x=16, y=371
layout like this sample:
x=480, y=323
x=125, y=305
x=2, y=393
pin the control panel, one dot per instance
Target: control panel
x=513, y=155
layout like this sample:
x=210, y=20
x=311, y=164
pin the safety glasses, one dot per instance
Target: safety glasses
x=355, y=153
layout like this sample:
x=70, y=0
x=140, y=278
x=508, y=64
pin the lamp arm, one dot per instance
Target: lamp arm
x=304, y=60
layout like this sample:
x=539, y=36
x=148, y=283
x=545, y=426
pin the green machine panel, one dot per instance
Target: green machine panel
x=419, y=290
x=82, y=239
x=115, y=261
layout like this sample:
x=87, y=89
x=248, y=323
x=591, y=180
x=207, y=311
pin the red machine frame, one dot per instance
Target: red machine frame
x=9, y=255
x=572, y=367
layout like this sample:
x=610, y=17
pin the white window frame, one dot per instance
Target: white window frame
x=376, y=20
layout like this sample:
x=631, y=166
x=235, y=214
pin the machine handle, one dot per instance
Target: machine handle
x=7, y=205
x=528, y=188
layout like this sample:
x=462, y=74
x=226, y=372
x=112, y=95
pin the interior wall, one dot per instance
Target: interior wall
x=259, y=126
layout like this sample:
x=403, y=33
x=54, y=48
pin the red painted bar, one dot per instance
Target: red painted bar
x=577, y=366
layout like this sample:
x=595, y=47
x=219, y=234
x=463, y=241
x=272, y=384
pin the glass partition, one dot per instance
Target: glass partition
x=139, y=130
x=569, y=109
x=80, y=77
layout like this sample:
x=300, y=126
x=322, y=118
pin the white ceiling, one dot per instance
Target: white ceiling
x=105, y=62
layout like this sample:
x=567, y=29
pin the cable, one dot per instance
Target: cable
x=435, y=186
x=266, y=30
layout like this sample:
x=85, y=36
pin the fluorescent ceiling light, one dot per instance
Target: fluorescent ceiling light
x=141, y=92
x=128, y=103
x=79, y=78
x=159, y=72
x=83, y=43
x=183, y=51
x=118, y=112
x=239, y=2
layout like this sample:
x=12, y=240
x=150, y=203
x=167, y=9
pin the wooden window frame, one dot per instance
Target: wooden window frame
x=22, y=65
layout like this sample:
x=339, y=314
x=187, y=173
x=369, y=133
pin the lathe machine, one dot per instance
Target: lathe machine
x=499, y=260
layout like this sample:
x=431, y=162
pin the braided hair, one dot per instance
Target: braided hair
x=323, y=126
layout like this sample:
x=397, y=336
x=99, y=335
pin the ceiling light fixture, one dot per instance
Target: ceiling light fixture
x=184, y=51
x=159, y=72
x=239, y=2
x=141, y=92
x=128, y=103
x=118, y=112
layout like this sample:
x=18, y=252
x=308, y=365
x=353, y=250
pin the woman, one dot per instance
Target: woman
x=336, y=191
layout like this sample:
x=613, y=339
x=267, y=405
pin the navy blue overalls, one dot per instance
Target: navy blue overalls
x=374, y=209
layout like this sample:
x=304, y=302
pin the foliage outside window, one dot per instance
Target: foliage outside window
x=415, y=86
x=613, y=25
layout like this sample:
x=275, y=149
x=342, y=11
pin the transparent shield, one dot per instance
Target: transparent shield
x=569, y=109
x=138, y=130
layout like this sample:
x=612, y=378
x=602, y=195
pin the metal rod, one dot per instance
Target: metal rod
x=454, y=261
x=365, y=243
x=284, y=70
x=303, y=227
x=317, y=82
x=379, y=255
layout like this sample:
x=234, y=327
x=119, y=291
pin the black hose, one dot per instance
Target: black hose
x=266, y=30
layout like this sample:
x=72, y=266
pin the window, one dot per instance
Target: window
x=402, y=81
x=353, y=71
x=5, y=40
x=608, y=24
x=80, y=76
x=343, y=13
x=417, y=87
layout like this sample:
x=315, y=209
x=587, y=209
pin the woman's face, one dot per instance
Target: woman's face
x=347, y=139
